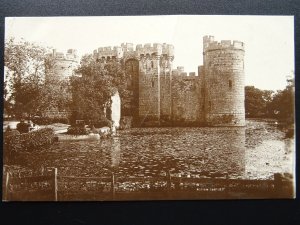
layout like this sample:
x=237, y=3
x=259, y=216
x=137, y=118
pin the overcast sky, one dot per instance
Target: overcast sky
x=269, y=40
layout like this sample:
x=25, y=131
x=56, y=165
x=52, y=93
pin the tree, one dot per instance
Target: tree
x=92, y=91
x=282, y=105
x=256, y=101
x=55, y=95
x=25, y=71
x=27, y=92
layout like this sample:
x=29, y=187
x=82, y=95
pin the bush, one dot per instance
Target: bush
x=8, y=135
x=23, y=127
x=14, y=142
x=47, y=120
x=77, y=130
x=7, y=152
x=104, y=122
x=126, y=122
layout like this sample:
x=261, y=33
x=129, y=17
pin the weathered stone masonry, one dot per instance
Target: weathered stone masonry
x=223, y=82
x=166, y=96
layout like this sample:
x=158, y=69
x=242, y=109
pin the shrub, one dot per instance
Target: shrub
x=104, y=122
x=8, y=135
x=8, y=129
x=30, y=141
x=48, y=120
x=126, y=122
x=14, y=142
x=23, y=127
x=94, y=130
x=77, y=130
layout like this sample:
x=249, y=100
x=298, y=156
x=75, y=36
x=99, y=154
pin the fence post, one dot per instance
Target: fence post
x=168, y=180
x=227, y=186
x=113, y=185
x=6, y=185
x=277, y=184
x=55, y=184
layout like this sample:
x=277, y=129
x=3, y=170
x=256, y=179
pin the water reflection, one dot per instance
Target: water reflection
x=186, y=152
x=115, y=152
x=189, y=152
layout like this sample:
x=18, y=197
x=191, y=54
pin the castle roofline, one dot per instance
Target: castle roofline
x=210, y=44
x=128, y=48
x=71, y=55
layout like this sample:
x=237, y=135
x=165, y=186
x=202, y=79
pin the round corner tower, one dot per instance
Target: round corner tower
x=224, y=82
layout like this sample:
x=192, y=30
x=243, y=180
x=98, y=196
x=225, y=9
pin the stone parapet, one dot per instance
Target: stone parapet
x=71, y=55
x=209, y=44
x=127, y=49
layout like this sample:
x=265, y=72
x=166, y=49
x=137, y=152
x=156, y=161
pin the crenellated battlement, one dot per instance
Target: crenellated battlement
x=213, y=95
x=64, y=64
x=155, y=49
x=179, y=73
x=127, y=49
x=209, y=44
x=105, y=52
x=71, y=55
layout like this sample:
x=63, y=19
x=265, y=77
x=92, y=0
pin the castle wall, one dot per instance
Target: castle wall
x=201, y=94
x=165, y=89
x=149, y=90
x=63, y=65
x=224, y=83
x=130, y=106
x=186, y=104
x=155, y=83
x=162, y=95
x=64, y=69
x=61, y=68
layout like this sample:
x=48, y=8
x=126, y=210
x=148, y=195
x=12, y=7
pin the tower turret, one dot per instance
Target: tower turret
x=155, y=68
x=223, y=82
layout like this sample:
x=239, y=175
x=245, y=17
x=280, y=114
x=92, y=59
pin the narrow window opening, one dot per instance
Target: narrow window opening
x=152, y=83
x=152, y=64
x=230, y=84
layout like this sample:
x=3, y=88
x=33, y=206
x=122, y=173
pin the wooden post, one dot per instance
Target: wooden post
x=113, y=185
x=277, y=183
x=55, y=184
x=168, y=180
x=227, y=186
x=6, y=186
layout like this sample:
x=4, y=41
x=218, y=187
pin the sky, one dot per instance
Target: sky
x=269, y=40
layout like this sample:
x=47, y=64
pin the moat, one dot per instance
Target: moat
x=256, y=151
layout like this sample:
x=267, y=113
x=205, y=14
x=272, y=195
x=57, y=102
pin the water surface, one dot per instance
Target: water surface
x=256, y=151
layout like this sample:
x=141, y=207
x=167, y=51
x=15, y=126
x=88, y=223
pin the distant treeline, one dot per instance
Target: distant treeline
x=271, y=104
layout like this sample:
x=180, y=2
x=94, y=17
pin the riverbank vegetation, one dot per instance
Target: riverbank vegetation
x=16, y=143
x=271, y=104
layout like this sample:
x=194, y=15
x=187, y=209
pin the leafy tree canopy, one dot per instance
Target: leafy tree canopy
x=91, y=92
x=24, y=75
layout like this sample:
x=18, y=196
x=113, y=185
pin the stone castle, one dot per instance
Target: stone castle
x=164, y=96
x=64, y=64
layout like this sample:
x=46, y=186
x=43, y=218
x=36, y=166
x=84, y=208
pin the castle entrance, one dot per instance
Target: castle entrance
x=131, y=106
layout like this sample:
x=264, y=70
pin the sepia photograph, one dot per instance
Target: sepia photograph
x=126, y=108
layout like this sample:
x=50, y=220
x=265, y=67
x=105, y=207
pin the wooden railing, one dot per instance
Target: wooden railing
x=51, y=187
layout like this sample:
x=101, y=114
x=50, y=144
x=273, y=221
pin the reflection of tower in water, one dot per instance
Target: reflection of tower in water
x=213, y=152
x=115, y=152
x=236, y=150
